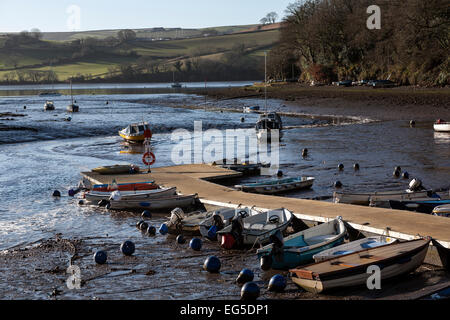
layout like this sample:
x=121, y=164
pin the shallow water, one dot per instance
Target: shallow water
x=34, y=163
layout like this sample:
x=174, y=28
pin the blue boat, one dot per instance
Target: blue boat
x=299, y=248
x=423, y=206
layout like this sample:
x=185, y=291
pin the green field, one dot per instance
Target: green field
x=38, y=56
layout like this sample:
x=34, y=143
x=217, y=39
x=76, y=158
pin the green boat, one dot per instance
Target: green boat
x=277, y=186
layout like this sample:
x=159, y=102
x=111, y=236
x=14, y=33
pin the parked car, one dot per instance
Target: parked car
x=383, y=84
x=344, y=83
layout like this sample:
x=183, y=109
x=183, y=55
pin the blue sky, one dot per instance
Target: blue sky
x=46, y=15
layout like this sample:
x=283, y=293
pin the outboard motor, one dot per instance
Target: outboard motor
x=103, y=203
x=234, y=238
x=277, y=241
x=176, y=217
x=218, y=221
x=415, y=185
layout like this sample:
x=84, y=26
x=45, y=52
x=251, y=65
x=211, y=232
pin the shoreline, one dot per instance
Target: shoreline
x=401, y=103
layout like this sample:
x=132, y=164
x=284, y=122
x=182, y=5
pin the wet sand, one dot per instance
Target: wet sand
x=402, y=103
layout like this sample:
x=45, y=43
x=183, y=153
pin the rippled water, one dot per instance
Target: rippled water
x=34, y=163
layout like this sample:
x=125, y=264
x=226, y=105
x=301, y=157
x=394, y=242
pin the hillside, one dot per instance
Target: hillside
x=27, y=59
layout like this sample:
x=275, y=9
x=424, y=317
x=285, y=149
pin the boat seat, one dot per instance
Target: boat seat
x=258, y=226
x=318, y=239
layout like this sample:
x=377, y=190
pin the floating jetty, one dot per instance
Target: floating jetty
x=200, y=179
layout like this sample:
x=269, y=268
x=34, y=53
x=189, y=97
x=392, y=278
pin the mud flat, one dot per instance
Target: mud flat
x=401, y=103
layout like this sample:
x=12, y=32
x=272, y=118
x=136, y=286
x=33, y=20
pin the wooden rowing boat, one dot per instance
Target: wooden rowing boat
x=95, y=196
x=354, y=246
x=365, y=199
x=299, y=248
x=171, y=202
x=257, y=229
x=352, y=269
x=277, y=186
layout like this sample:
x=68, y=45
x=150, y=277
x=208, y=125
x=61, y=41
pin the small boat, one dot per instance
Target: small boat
x=175, y=84
x=422, y=206
x=117, y=169
x=245, y=167
x=125, y=186
x=255, y=229
x=365, y=199
x=251, y=109
x=266, y=123
x=49, y=106
x=95, y=196
x=442, y=211
x=277, y=186
x=135, y=132
x=171, y=202
x=441, y=126
x=299, y=248
x=200, y=223
x=72, y=107
x=354, y=246
x=351, y=269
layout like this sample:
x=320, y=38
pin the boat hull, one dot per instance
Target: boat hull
x=278, y=188
x=131, y=195
x=442, y=127
x=154, y=204
x=126, y=187
x=366, y=198
x=356, y=275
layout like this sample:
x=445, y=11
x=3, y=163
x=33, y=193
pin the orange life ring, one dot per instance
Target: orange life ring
x=148, y=158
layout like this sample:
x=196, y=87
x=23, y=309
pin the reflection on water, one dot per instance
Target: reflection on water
x=442, y=138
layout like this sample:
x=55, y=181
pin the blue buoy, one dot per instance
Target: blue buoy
x=212, y=264
x=195, y=244
x=151, y=231
x=71, y=193
x=341, y=167
x=81, y=203
x=277, y=283
x=356, y=166
x=100, y=257
x=304, y=152
x=138, y=224
x=212, y=233
x=56, y=193
x=127, y=248
x=279, y=173
x=163, y=229
x=338, y=184
x=246, y=275
x=181, y=239
x=146, y=214
x=397, y=168
x=405, y=175
x=250, y=291
x=396, y=173
x=143, y=226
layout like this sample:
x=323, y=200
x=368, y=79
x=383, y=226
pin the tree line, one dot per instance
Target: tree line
x=327, y=40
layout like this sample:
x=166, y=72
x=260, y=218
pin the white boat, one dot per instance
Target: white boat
x=277, y=186
x=441, y=126
x=72, y=107
x=267, y=125
x=257, y=229
x=251, y=109
x=171, y=202
x=175, y=84
x=352, y=269
x=442, y=211
x=366, y=199
x=49, y=106
x=354, y=246
x=95, y=196
x=199, y=223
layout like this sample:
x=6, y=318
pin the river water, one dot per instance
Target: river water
x=51, y=155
